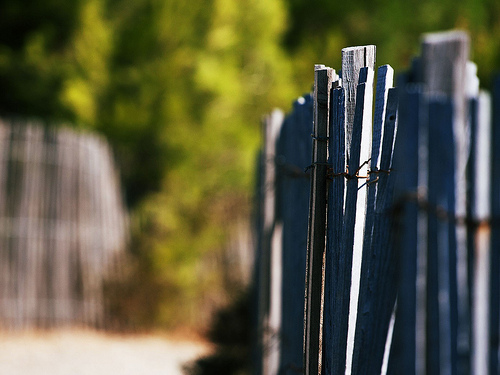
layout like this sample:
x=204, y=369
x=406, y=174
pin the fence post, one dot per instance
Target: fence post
x=317, y=217
x=353, y=59
x=361, y=60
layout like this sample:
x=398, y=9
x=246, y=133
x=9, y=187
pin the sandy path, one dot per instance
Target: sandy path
x=89, y=353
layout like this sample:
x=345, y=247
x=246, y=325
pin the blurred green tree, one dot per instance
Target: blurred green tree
x=189, y=83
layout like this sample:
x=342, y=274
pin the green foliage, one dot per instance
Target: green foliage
x=320, y=28
x=32, y=38
x=183, y=111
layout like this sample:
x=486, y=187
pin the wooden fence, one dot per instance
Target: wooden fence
x=390, y=228
x=63, y=226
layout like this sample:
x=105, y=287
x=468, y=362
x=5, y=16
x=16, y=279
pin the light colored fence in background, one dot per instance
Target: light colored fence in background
x=63, y=226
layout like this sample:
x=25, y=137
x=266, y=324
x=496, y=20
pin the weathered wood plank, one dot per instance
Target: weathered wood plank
x=294, y=156
x=479, y=255
x=444, y=72
x=353, y=59
x=442, y=292
x=378, y=278
x=350, y=215
x=343, y=257
x=317, y=218
x=366, y=77
x=4, y=255
x=384, y=82
x=335, y=325
x=466, y=266
x=408, y=344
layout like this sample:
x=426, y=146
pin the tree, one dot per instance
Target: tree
x=189, y=84
x=319, y=29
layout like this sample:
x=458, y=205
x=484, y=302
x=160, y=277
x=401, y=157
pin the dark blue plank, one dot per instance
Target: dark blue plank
x=465, y=343
x=380, y=110
x=442, y=308
x=341, y=264
x=494, y=339
x=378, y=282
x=365, y=294
x=293, y=157
x=403, y=359
x=334, y=327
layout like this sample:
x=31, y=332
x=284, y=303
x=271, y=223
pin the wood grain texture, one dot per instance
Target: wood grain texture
x=353, y=59
x=323, y=78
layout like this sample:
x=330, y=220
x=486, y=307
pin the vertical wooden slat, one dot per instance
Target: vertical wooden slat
x=38, y=217
x=16, y=176
x=294, y=157
x=72, y=212
x=317, y=222
x=444, y=68
x=61, y=261
x=384, y=82
x=465, y=338
x=20, y=231
x=32, y=230
x=441, y=298
x=385, y=77
x=269, y=338
x=407, y=347
x=348, y=239
x=98, y=217
x=362, y=170
x=95, y=220
x=353, y=59
x=335, y=326
x=378, y=282
x=473, y=110
x=480, y=187
x=78, y=218
x=43, y=298
x=51, y=273
x=350, y=219
x=5, y=131
x=494, y=310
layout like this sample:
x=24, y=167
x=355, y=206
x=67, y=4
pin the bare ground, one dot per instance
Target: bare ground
x=92, y=353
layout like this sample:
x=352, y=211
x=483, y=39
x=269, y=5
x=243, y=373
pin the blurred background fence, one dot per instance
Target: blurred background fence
x=398, y=256
x=63, y=226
